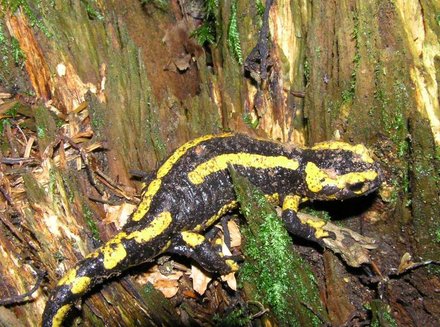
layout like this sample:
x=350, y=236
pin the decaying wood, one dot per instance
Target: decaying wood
x=127, y=84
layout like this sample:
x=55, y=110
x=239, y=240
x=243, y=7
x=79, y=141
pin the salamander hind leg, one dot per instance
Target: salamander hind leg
x=198, y=248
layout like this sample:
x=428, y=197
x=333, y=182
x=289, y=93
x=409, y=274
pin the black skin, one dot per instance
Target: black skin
x=192, y=205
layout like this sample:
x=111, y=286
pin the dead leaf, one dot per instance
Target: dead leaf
x=353, y=247
x=405, y=263
x=200, y=280
x=234, y=232
x=167, y=284
x=118, y=214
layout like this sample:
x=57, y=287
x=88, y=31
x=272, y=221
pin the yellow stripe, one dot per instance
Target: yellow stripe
x=223, y=210
x=156, y=228
x=291, y=202
x=359, y=149
x=114, y=250
x=68, y=278
x=317, y=178
x=154, y=186
x=79, y=284
x=220, y=162
x=274, y=199
x=58, y=318
x=192, y=239
x=317, y=226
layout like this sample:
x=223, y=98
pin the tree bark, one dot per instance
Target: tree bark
x=104, y=87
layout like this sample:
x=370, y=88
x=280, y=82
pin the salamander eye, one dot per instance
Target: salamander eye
x=356, y=187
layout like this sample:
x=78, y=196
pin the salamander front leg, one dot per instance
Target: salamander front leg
x=197, y=247
x=309, y=230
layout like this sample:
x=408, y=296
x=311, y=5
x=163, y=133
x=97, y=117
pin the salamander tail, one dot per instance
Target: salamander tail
x=70, y=289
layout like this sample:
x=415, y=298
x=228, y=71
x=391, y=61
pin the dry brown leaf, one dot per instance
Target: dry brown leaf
x=353, y=247
x=167, y=284
x=118, y=214
x=200, y=280
x=28, y=149
x=405, y=263
x=230, y=280
x=234, y=232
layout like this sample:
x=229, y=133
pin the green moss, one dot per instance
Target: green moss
x=90, y=220
x=283, y=281
x=207, y=33
x=381, y=313
x=17, y=54
x=92, y=11
x=234, y=35
x=52, y=181
x=437, y=235
x=3, y=123
x=236, y=318
x=30, y=8
x=392, y=110
x=247, y=118
x=260, y=7
x=349, y=93
x=41, y=132
x=306, y=71
x=159, y=4
x=317, y=213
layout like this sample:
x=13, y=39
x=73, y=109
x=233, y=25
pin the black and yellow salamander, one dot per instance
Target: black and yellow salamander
x=193, y=188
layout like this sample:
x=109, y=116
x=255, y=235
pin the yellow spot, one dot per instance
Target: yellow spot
x=359, y=177
x=359, y=149
x=291, y=202
x=68, y=278
x=192, y=239
x=317, y=226
x=274, y=199
x=198, y=228
x=166, y=247
x=92, y=255
x=80, y=285
x=317, y=178
x=223, y=210
x=114, y=251
x=145, y=204
x=218, y=163
x=155, y=228
x=154, y=186
x=58, y=318
x=231, y=263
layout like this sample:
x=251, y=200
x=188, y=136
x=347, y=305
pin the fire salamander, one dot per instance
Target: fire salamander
x=193, y=188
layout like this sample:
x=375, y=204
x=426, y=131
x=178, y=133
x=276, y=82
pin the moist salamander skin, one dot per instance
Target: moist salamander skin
x=193, y=189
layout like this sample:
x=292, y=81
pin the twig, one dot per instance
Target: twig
x=6, y=196
x=14, y=161
x=85, y=161
x=24, y=297
x=317, y=314
x=262, y=311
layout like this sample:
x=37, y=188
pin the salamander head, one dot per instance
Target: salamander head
x=338, y=171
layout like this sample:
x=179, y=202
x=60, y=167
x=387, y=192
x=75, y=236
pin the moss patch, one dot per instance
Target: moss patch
x=277, y=276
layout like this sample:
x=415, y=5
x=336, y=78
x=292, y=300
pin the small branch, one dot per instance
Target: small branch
x=24, y=297
x=14, y=161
